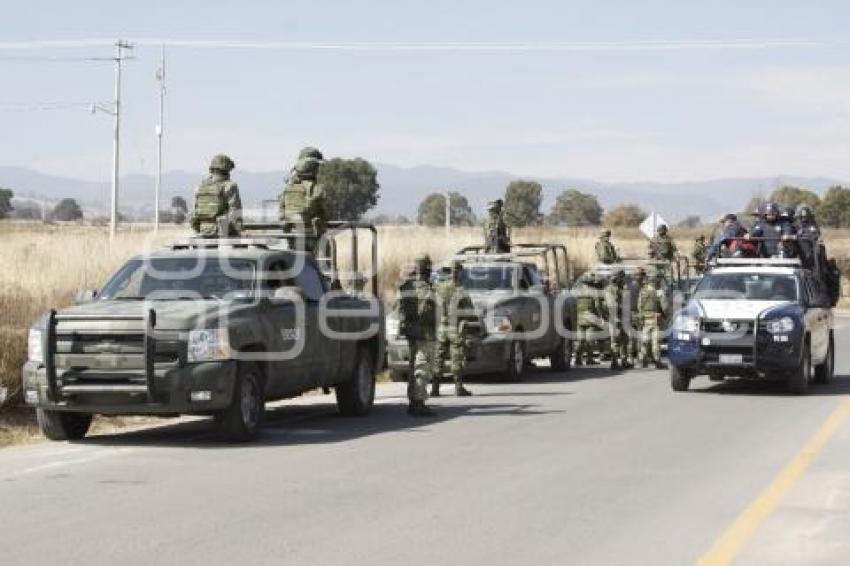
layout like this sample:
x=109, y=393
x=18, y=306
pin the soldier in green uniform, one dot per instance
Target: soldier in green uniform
x=456, y=314
x=636, y=326
x=620, y=357
x=218, y=208
x=496, y=237
x=651, y=306
x=605, y=250
x=418, y=323
x=302, y=201
x=699, y=253
x=589, y=313
x=662, y=247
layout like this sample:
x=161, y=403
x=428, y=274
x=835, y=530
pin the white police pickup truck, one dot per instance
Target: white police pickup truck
x=767, y=318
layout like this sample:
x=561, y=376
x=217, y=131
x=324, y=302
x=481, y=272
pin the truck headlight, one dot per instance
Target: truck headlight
x=498, y=324
x=780, y=325
x=685, y=323
x=208, y=345
x=35, y=346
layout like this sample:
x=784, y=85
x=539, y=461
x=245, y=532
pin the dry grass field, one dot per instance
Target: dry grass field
x=42, y=266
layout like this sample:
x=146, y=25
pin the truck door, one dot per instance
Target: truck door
x=817, y=317
x=291, y=353
x=324, y=351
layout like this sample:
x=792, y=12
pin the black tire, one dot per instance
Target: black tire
x=62, y=425
x=799, y=378
x=516, y=362
x=561, y=358
x=825, y=371
x=243, y=419
x=355, y=397
x=680, y=378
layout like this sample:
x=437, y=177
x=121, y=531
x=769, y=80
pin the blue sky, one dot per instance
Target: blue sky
x=608, y=114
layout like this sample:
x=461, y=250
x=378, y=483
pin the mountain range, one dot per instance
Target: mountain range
x=402, y=188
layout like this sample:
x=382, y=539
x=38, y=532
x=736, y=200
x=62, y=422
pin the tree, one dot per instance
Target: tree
x=179, y=210
x=691, y=221
x=575, y=208
x=794, y=197
x=6, y=207
x=351, y=187
x=834, y=209
x=624, y=216
x=522, y=203
x=67, y=209
x=26, y=210
x=432, y=210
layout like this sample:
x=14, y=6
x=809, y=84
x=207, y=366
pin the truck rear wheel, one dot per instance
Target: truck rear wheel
x=243, y=419
x=798, y=379
x=356, y=396
x=825, y=371
x=62, y=425
x=560, y=359
x=516, y=362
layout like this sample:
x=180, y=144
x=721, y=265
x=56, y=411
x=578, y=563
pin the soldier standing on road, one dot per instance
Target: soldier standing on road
x=589, y=309
x=614, y=308
x=651, y=307
x=496, y=237
x=605, y=250
x=662, y=247
x=302, y=200
x=418, y=323
x=699, y=254
x=218, y=209
x=636, y=326
x=456, y=312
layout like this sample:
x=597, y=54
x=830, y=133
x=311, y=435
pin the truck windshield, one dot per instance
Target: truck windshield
x=487, y=277
x=180, y=278
x=748, y=286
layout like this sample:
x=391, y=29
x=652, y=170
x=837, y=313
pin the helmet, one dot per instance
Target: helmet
x=605, y=233
x=495, y=206
x=221, y=162
x=662, y=229
x=423, y=262
x=771, y=211
x=618, y=276
x=701, y=238
x=788, y=213
x=804, y=212
x=640, y=274
x=730, y=218
x=310, y=152
x=307, y=167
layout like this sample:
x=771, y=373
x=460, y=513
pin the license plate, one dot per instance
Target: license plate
x=731, y=359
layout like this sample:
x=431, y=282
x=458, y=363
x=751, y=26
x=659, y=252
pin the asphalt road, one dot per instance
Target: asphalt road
x=587, y=467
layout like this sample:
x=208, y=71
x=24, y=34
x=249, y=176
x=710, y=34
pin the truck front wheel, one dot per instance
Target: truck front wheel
x=60, y=425
x=243, y=419
x=356, y=396
x=680, y=378
x=798, y=380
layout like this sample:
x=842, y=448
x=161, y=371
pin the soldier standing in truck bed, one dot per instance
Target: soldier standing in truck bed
x=218, y=209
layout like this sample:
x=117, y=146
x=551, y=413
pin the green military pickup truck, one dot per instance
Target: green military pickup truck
x=212, y=327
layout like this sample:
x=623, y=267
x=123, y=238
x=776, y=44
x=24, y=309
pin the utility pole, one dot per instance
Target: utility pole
x=160, y=76
x=448, y=212
x=120, y=46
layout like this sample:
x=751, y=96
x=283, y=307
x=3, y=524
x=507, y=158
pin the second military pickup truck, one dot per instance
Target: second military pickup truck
x=207, y=326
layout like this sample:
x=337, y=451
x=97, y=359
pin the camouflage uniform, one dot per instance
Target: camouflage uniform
x=302, y=200
x=636, y=333
x=589, y=309
x=456, y=311
x=218, y=208
x=496, y=237
x=605, y=250
x=614, y=308
x=651, y=307
x=662, y=246
x=418, y=323
x=699, y=254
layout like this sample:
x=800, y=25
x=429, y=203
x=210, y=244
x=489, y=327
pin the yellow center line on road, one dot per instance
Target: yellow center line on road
x=745, y=525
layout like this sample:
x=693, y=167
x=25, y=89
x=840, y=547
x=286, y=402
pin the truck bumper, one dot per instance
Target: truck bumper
x=767, y=354
x=172, y=392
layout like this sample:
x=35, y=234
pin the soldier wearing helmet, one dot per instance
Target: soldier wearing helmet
x=807, y=226
x=218, y=208
x=605, y=250
x=497, y=239
x=772, y=229
x=652, y=305
x=699, y=254
x=302, y=200
x=620, y=357
x=456, y=314
x=662, y=247
x=418, y=319
x=590, y=306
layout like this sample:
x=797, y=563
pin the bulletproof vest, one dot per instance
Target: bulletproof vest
x=426, y=311
x=210, y=200
x=650, y=302
x=446, y=293
x=586, y=300
x=663, y=247
x=295, y=197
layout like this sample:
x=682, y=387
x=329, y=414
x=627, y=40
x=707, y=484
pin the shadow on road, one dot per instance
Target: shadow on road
x=310, y=424
x=840, y=385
